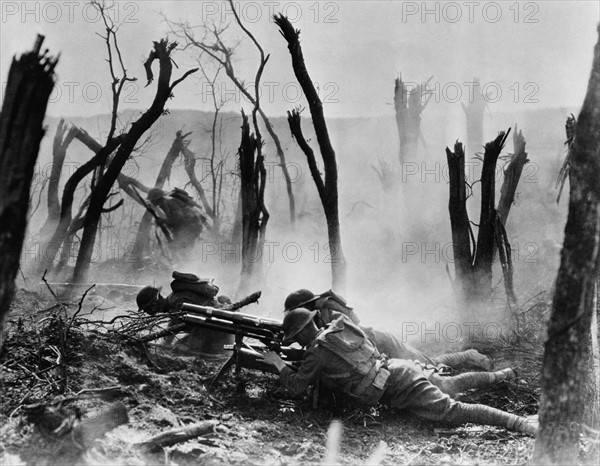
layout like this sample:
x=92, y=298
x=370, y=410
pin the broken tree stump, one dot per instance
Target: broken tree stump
x=30, y=82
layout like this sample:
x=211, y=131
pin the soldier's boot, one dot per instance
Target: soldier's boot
x=462, y=382
x=472, y=357
x=482, y=414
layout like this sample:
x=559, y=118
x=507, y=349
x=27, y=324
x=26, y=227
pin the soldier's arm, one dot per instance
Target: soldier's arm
x=308, y=373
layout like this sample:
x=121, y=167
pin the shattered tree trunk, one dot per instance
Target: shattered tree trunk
x=473, y=259
x=459, y=222
x=569, y=394
x=29, y=84
x=253, y=99
x=328, y=189
x=254, y=214
x=409, y=105
x=512, y=175
x=474, y=117
x=161, y=52
x=62, y=139
x=143, y=233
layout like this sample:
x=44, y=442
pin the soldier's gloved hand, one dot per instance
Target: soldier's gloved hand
x=271, y=357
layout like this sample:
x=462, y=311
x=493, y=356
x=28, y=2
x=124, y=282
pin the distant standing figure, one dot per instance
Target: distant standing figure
x=180, y=215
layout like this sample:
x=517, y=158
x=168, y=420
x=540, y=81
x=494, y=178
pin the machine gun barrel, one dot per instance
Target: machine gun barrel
x=268, y=337
x=268, y=331
x=236, y=317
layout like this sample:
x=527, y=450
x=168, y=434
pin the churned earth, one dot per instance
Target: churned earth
x=253, y=421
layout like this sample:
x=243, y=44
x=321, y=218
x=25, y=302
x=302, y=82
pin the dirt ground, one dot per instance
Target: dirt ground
x=254, y=421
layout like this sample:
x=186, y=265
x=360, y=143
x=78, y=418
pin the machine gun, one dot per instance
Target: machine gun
x=268, y=332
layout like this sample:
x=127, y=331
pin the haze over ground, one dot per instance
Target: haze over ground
x=532, y=57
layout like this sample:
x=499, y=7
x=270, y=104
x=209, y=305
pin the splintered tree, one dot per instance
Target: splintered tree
x=328, y=188
x=29, y=84
x=473, y=258
x=255, y=216
x=105, y=166
x=409, y=103
x=569, y=401
x=474, y=116
x=127, y=142
x=213, y=45
x=62, y=139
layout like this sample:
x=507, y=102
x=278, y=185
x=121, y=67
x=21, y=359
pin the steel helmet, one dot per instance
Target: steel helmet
x=155, y=194
x=299, y=298
x=147, y=296
x=294, y=321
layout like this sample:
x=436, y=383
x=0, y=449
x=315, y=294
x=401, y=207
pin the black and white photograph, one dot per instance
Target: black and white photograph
x=313, y=232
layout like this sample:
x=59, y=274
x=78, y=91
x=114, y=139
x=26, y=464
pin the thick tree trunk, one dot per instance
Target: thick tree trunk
x=473, y=259
x=568, y=384
x=329, y=196
x=30, y=82
x=254, y=217
x=482, y=266
x=459, y=222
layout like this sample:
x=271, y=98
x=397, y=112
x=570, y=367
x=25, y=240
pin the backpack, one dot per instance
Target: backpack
x=346, y=340
x=190, y=282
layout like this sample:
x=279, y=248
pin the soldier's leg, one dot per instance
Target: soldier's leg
x=471, y=357
x=462, y=382
x=394, y=348
x=410, y=389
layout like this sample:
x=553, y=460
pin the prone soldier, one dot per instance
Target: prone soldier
x=342, y=357
x=187, y=288
x=330, y=305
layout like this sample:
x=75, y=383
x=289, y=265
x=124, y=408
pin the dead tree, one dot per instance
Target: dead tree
x=30, y=82
x=473, y=258
x=62, y=139
x=569, y=399
x=254, y=213
x=328, y=188
x=216, y=164
x=97, y=163
x=222, y=54
x=161, y=52
x=512, y=175
x=63, y=230
x=474, y=116
x=409, y=103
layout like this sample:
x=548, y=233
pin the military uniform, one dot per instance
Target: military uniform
x=330, y=305
x=181, y=216
x=364, y=374
x=188, y=288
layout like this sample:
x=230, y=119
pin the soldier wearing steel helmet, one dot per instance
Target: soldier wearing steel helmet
x=178, y=212
x=342, y=357
x=190, y=289
x=329, y=305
